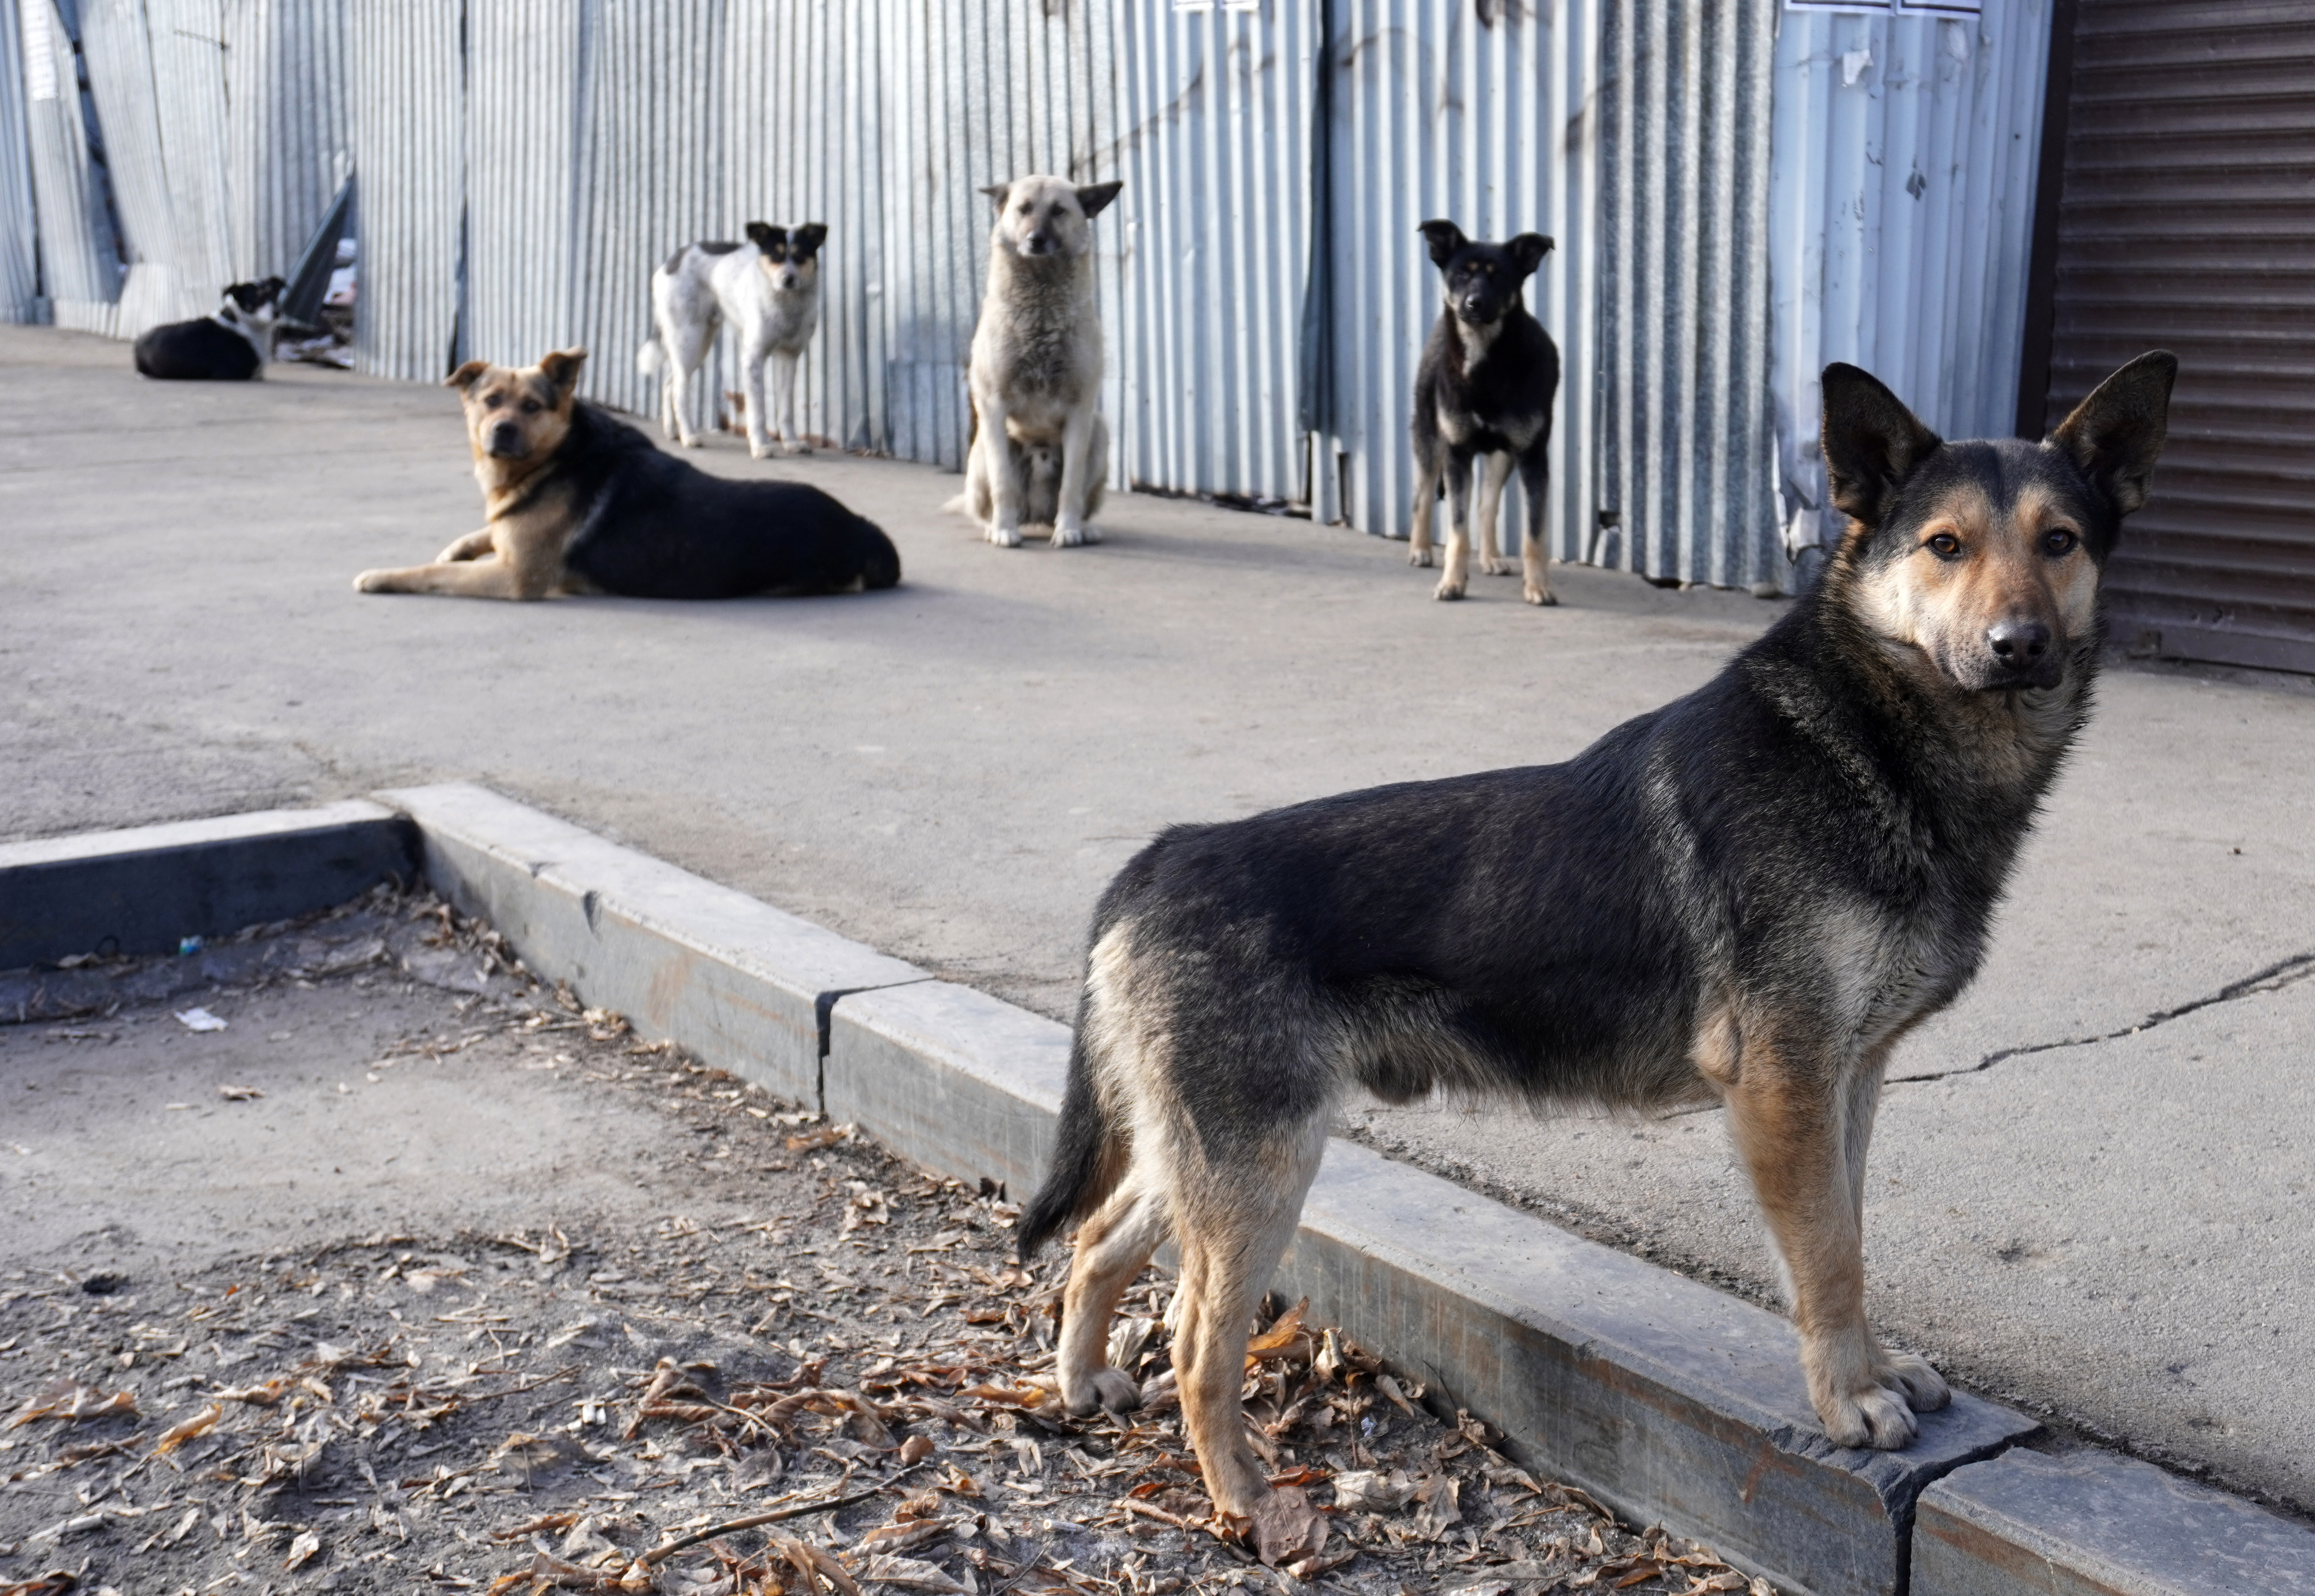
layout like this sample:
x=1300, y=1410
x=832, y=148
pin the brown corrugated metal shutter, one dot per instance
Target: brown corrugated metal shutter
x=2187, y=223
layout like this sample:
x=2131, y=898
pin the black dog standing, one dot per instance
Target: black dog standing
x=1484, y=391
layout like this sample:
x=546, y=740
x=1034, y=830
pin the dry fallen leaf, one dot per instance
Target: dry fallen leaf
x=302, y=1550
x=1286, y=1528
x=1439, y=1508
x=191, y=1428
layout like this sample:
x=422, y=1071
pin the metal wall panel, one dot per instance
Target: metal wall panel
x=79, y=257
x=20, y=266
x=527, y=60
x=1902, y=198
x=1685, y=485
x=982, y=91
x=286, y=126
x=118, y=46
x=2189, y=223
x=650, y=173
x=1216, y=221
x=406, y=95
x=1485, y=115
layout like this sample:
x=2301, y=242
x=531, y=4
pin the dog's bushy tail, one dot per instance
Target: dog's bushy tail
x=1082, y=1171
x=651, y=359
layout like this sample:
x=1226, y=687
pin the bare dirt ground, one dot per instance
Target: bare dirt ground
x=344, y=1257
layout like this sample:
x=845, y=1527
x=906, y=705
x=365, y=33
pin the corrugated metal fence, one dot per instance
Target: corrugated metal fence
x=1738, y=191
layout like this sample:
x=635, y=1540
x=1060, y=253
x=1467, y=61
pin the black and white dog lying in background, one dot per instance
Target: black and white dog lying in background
x=1483, y=392
x=769, y=290
x=231, y=346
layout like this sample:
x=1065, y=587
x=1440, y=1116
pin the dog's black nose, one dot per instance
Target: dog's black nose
x=2019, y=643
x=505, y=438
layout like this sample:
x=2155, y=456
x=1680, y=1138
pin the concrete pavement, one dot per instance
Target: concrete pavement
x=2113, y=1230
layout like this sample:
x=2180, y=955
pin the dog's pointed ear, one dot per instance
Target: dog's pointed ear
x=808, y=238
x=1444, y=239
x=2115, y=435
x=1095, y=198
x=998, y=191
x=464, y=378
x=763, y=235
x=1872, y=442
x=1527, y=251
x=270, y=287
x=562, y=368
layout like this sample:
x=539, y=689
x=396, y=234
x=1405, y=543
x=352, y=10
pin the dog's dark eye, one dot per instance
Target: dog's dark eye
x=530, y=407
x=492, y=401
x=2059, y=540
x=1944, y=546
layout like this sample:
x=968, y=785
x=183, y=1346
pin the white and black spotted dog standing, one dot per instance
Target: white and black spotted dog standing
x=769, y=290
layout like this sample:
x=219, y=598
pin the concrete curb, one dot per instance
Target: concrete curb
x=745, y=987
x=1662, y=1397
x=145, y=890
x=2095, y=1524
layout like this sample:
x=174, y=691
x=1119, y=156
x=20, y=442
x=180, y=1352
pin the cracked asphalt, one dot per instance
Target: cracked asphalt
x=2094, y=1200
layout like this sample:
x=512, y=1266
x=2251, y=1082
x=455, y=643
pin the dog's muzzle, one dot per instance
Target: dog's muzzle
x=506, y=442
x=1040, y=244
x=2025, y=655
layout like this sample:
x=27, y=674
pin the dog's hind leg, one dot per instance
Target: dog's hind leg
x=1535, y=556
x=1457, y=576
x=1113, y=1246
x=1428, y=463
x=1494, y=471
x=1234, y=1222
x=1792, y=1113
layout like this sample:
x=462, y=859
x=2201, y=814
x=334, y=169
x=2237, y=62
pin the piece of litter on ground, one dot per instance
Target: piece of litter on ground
x=199, y=1019
x=238, y=1094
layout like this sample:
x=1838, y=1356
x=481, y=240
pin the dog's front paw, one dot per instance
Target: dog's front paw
x=1537, y=595
x=758, y=451
x=1420, y=554
x=1874, y=1417
x=693, y=441
x=1112, y=1388
x=1066, y=535
x=1003, y=537
x=1450, y=587
x=1911, y=1376
x=790, y=447
x=370, y=581
x=1499, y=567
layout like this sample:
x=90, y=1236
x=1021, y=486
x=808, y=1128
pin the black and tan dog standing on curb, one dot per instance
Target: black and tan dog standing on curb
x=579, y=501
x=1483, y=396
x=1746, y=897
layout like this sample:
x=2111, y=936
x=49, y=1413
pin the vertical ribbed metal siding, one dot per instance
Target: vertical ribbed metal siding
x=650, y=173
x=1216, y=217
x=406, y=95
x=119, y=49
x=1684, y=425
x=286, y=123
x=982, y=91
x=80, y=267
x=19, y=273
x=805, y=100
x=1491, y=124
x=1903, y=210
x=2188, y=223
x=526, y=116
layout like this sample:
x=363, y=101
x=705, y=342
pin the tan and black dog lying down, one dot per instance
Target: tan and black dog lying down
x=1746, y=897
x=580, y=503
